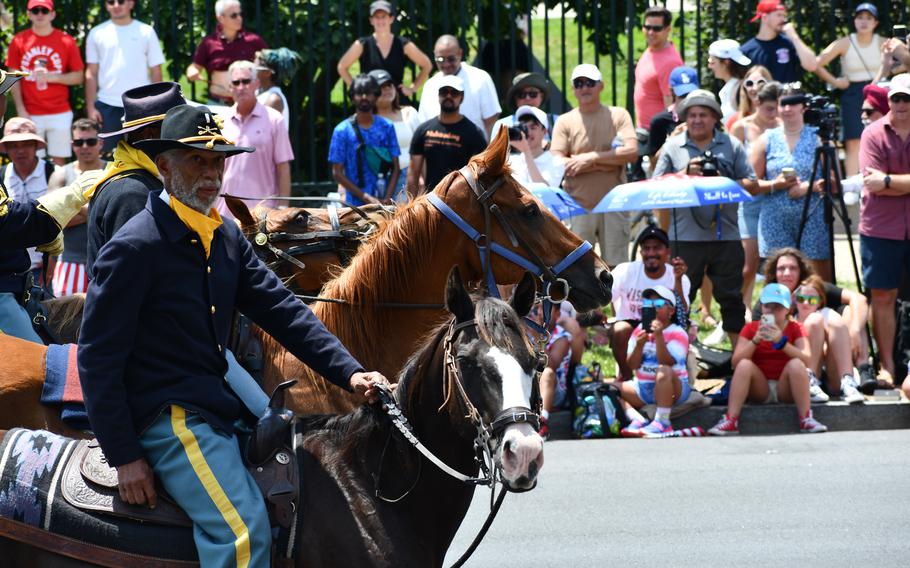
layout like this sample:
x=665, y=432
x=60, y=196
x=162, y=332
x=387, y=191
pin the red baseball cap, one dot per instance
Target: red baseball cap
x=49, y=4
x=767, y=7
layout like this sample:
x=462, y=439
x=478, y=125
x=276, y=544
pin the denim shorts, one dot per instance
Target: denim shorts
x=747, y=217
x=645, y=391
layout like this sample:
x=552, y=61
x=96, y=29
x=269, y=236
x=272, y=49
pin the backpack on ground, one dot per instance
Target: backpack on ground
x=902, y=341
x=597, y=412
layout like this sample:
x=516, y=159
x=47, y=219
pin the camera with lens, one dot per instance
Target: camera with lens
x=515, y=132
x=709, y=165
x=822, y=114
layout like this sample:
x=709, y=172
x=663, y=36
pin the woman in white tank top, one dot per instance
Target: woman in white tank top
x=276, y=67
x=860, y=55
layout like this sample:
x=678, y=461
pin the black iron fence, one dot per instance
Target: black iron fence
x=505, y=38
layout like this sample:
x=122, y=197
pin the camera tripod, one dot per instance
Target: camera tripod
x=833, y=202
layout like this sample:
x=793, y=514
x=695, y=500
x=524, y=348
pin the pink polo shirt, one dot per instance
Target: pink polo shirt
x=254, y=174
x=652, y=82
x=880, y=147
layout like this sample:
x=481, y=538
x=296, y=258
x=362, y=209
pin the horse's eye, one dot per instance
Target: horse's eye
x=532, y=211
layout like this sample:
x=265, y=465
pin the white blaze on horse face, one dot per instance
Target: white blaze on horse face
x=516, y=384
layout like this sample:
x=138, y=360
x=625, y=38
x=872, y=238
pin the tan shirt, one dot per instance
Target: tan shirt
x=576, y=133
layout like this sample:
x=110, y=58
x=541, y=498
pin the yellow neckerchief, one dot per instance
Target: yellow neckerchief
x=126, y=158
x=202, y=225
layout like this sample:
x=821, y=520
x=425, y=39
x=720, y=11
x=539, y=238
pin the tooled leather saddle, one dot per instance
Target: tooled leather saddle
x=90, y=483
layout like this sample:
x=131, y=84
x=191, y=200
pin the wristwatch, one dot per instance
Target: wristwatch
x=887, y=182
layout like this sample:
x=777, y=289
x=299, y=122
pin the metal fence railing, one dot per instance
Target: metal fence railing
x=549, y=36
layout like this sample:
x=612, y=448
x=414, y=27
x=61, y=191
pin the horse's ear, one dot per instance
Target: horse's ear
x=496, y=156
x=524, y=295
x=458, y=301
x=240, y=211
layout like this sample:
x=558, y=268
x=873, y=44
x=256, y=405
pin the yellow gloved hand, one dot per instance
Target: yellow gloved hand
x=62, y=204
x=53, y=248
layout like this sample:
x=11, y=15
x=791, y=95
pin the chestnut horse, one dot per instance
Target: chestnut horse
x=405, y=261
x=367, y=497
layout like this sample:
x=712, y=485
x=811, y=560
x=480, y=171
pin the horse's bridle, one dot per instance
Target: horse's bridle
x=557, y=289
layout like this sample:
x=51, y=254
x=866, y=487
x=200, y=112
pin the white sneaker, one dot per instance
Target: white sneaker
x=717, y=336
x=816, y=394
x=851, y=394
x=809, y=425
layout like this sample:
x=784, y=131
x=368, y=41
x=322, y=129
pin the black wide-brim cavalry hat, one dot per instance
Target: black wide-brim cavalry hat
x=146, y=106
x=9, y=78
x=188, y=127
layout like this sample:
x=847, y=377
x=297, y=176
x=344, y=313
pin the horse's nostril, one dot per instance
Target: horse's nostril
x=510, y=447
x=606, y=278
x=532, y=470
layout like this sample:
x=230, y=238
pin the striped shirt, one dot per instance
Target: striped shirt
x=677, y=344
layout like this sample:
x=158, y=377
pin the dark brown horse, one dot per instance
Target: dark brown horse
x=479, y=365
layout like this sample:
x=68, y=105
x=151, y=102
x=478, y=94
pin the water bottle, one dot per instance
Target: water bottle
x=617, y=142
x=380, y=187
x=40, y=75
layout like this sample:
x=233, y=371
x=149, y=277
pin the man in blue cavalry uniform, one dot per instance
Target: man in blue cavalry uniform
x=151, y=351
x=124, y=189
x=27, y=224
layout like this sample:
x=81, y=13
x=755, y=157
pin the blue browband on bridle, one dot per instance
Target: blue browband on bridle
x=485, y=247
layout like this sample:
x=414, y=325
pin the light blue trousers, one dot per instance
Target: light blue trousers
x=203, y=471
x=14, y=319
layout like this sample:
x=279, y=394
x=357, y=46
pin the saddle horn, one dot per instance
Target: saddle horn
x=273, y=428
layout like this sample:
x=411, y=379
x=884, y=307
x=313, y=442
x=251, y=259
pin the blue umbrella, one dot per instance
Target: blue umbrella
x=558, y=201
x=672, y=191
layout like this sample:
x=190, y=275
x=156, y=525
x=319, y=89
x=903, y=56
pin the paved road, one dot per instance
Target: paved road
x=835, y=499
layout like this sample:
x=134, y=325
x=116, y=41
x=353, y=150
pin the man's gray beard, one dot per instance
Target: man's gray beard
x=189, y=197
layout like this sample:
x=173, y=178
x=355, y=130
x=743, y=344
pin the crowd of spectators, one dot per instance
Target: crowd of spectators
x=808, y=336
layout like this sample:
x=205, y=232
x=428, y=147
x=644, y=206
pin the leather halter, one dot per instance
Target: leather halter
x=550, y=274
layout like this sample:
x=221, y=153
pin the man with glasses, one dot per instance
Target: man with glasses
x=356, y=137
x=652, y=72
x=528, y=89
x=480, y=104
x=777, y=46
x=596, y=141
x=266, y=172
x=227, y=44
x=444, y=143
x=52, y=59
x=884, y=221
x=70, y=276
x=121, y=54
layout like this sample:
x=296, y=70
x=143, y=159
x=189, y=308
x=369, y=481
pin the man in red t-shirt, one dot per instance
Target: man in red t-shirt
x=769, y=364
x=652, y=72
x=53, y=60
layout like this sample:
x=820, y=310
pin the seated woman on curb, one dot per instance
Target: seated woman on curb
x=769, y=364
x=658, y=357
x=554, y=380
x=829, y=340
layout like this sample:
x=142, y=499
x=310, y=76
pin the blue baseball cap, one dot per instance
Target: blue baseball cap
x=776, y=294
x=683, y=80
x=866, y=7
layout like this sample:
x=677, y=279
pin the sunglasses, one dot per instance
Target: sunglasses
x=112, y=2
x=811, y=300
x=40, y=10
x=900, y=98
x=448, y=92
x=238, y=82
x=449, y=59
x=646, y=27
x=234, y=16
x=583, y=82
x=867, y=111
x=529, y=94
x=80, y=142
x=658, y=303
x=749, y=83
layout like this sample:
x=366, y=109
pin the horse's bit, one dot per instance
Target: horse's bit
x=557, y=289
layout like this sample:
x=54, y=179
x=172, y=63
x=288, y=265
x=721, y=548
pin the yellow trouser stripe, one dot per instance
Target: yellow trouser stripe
x=212, y=487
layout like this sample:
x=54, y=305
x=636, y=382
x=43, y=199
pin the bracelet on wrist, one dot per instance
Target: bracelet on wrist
x=756, y=340
x=782, y=342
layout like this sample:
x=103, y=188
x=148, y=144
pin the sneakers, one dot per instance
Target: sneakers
x=633, y=430
x=810, y=425
x=726, y=427
x=851, y=394
x=816, y=394
x=544, y=430
x=656, y=429
x=867, y=380
x=717, y=336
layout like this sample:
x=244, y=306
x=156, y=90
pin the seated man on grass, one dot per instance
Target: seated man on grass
x=658, y=356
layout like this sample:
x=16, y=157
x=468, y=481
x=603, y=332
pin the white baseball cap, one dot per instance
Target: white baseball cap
x=527, y=110
x=587, y=71
x=453, y=81
x=900, y=84
x=663, y=292
x=728, y=49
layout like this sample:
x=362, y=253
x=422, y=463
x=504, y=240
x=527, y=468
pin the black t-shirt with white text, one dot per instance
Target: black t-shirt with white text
x=446, y=147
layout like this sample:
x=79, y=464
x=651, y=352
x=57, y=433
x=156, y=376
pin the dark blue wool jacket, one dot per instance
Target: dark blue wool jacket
x=22, y=225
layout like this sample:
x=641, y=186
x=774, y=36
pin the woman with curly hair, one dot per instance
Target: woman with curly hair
x=276, y=67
